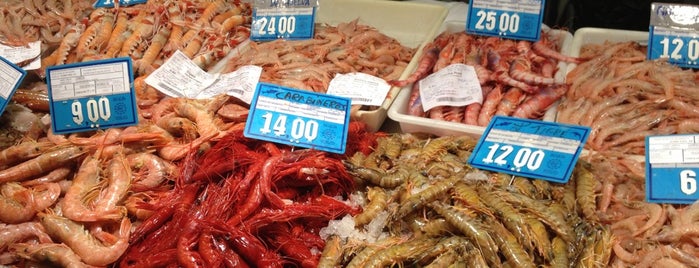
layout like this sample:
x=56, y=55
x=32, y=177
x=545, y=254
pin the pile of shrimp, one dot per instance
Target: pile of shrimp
x=311, y=64
x=516, y=77
x=205, y=31
x=246, y=203
x=427, y=208
x=647, y=234
x=73, y=199
x=624, y=97
x=26, y=21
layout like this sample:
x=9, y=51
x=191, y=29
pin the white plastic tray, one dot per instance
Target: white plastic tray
x=591, y=35
x=415, y=124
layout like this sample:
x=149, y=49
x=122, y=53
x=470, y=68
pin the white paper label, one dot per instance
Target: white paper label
x=240, y=84
x=454, y=85
x=679, y=149
x=20, y=54
x=180, y=77
x=361, y=88
x=9, y=78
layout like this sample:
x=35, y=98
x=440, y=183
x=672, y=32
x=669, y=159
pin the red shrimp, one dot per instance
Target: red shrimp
x=512, y=98
x=415, y=102
x=520, y=69
x=537, y=104
x=427, y=62
x=543, y=48
x=490, y=105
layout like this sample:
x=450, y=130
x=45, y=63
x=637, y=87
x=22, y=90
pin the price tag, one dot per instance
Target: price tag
x=506, y=18
x=363, y=89
x=26, y=57
x=298, y=118
x=454, y=85
x=674, y=34
x=672, y=165
x=10, y=77
x=288, y=23
x=530, y=148
x=91, y=95
x=111, y=3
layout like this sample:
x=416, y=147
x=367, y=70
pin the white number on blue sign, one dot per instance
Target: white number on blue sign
x=688, y=182
x=677, y=45
x=270, y=25
x=506, y=23
x=95, y=109
x=524, y=156
x=306, y=129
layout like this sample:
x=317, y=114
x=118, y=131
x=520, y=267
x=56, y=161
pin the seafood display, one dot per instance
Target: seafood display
x=310, y=64
x=517, y=78
x=424, y=205
x=624, y=97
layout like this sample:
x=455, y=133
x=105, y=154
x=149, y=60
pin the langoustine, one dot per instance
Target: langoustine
x=523, y=71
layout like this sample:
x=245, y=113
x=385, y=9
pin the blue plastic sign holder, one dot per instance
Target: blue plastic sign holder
x=674, y=34
x=530, y=148
x=298, y=118
x=519, y=19
x=11, y=76
x=672, y=165
x=111, y=3
x=91, y=95
x=292, y=23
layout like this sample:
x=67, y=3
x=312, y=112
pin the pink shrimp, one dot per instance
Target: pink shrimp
x=471, y=113
x=150, y=171
x=427, y=62
x=90, y=249
x=13, y=233
x=520, y=69
x=490, y=105
x=77, y=203
x=542, y=48
x=41, y=164
x=537, y=104
x=57, y=254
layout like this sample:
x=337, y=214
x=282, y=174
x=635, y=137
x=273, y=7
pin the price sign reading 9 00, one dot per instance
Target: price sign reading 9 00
x=288, y=23
x=507, y=19
x=91, y=95
x=678, y=47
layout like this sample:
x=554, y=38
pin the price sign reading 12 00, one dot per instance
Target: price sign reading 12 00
x=678, y=47
x=507, y=19
x=288, y=23
x=530, y=148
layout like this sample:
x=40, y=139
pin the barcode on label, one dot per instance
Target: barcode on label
x=361, y=99
x=237, y=91
x=165, y=86
x=452, y=99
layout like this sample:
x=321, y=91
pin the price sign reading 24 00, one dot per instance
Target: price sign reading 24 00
x=507, y=19
x=289, y=23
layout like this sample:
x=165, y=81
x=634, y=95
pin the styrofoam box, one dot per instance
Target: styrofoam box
x=412, y=24
x=591, y=35
x=415, y=124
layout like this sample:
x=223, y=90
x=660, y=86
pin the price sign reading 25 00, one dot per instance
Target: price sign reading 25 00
x=506, y=18
x=523, y=157
x=505, y=22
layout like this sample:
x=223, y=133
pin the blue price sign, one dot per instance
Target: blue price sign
x=506, y=18
x=91, y=95
x=679, y=47
x=288, y=23
x=11, y=76
x=111, y=3
x=530, y=148
x=298, y=118
x=674, y=34
x=672, y=165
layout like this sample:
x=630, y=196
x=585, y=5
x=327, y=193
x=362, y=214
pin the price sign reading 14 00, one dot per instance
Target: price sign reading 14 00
x=289, y=23
x=508, y=19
